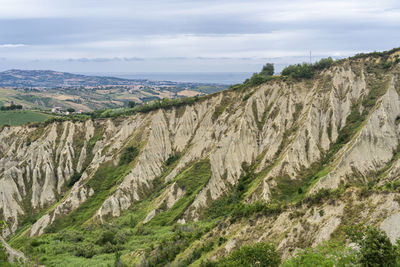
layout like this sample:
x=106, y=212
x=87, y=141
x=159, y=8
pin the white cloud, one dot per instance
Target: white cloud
x=11, y=45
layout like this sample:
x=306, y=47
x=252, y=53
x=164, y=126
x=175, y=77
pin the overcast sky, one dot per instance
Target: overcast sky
x=189, y=35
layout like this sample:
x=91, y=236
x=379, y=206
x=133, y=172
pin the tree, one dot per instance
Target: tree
x=131, y=104
x=268, y=70
x=71, y=110
x=376, y=249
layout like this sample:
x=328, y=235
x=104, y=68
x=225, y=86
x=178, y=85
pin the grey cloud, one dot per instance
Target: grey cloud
x=190, y=34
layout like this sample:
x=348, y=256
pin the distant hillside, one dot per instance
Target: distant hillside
x=45, y=89
x=51, y=79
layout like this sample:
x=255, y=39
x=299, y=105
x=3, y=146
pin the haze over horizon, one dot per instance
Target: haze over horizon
x=194, y=36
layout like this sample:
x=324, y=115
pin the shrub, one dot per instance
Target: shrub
x=376, y=249
x=86, y=250
x=106, y=237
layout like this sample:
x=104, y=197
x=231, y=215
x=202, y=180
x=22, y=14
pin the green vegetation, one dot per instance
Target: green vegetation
x=3, y=253
x=307, y=70
x=128, y=155
x=375, y=246
x=168, y=248
x=192, y=180
x=19, y=117
x=375, y=250
x=219, y=109
x=172, y=159
x=165, y=103
x=265, y=75
x=328, y=254
x=10, y=107
x=267, y=70
x=103, y=183
x=260, y=254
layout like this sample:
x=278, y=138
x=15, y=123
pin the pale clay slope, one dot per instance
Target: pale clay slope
x=313, y=114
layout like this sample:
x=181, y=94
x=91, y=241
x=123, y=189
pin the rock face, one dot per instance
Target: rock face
x=341, y=127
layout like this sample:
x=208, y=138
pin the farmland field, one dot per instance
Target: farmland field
x=19, y=117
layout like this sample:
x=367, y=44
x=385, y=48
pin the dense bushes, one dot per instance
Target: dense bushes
x=168, y=248
x=86, y=250
x=307, y=70
x=328, y=254
x=304, y=70
x=260, y=254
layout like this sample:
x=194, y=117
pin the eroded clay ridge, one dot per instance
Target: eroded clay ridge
x=340, y=127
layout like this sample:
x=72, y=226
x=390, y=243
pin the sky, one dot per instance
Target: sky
x=189, y=35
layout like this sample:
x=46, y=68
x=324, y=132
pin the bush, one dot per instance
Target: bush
x=307, y=70
x=304, y=70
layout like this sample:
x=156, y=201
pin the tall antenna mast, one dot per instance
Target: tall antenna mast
x=310, y=57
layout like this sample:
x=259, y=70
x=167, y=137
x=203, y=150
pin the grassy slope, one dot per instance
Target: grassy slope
x=67, y=236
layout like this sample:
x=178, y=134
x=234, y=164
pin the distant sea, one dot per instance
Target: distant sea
x=194, y=77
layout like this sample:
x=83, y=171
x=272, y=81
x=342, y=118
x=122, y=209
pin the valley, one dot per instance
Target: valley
x=296, y=160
